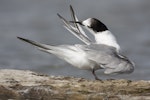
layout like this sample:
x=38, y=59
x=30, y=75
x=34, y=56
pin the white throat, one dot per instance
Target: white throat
x=107, y=38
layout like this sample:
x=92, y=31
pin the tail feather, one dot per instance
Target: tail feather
x=43, y=46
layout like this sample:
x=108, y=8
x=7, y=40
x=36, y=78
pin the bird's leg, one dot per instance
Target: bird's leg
x=96, y=78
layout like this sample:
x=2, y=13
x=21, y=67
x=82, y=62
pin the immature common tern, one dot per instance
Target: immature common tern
x=91, y=56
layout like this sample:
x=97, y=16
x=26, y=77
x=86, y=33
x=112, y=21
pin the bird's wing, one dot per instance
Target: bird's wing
x=77, y=26
x=39, y=45
x=49, y=48
x=101, y=54
x=107, y=56
x=75, y=30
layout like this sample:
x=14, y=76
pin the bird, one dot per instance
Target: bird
x=102, y=54
x=98, y=29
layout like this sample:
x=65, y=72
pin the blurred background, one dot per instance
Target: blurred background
x=37, y=20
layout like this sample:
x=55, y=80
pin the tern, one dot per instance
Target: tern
x=90, y=56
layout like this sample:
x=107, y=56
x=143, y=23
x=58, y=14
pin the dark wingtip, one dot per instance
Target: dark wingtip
x=33, y=43
x=59, y=15
x=20, y=38
x=23, y=39
x=71, y=7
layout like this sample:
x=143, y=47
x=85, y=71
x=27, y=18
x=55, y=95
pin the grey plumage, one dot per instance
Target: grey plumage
x=101, y=56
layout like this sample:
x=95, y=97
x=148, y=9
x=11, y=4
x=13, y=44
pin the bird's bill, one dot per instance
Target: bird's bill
x=78, y=22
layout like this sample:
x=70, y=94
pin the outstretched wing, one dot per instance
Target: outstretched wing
x=77, y=26
x=75, y=30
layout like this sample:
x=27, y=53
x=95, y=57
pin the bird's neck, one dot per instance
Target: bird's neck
x=107, y=38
